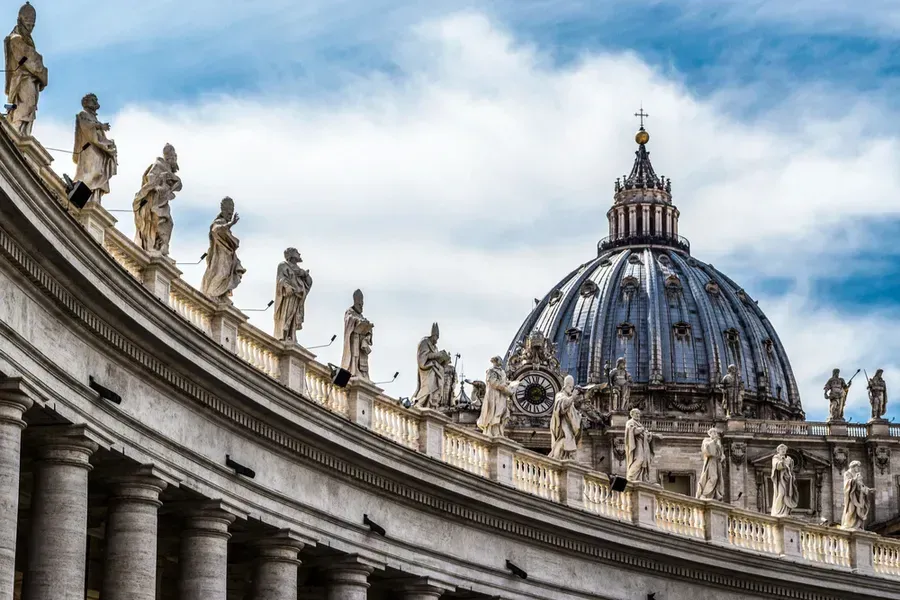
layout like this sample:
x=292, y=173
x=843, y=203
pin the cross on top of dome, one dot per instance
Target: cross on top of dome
x=642, y=175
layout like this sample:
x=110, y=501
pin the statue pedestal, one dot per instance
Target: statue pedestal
x=879, y=428
x=96, y=220
x=224, y=324
x=431, y=432
x=361, y=394
x=158, y=275
x=736, y=424
x=617, y=420
x=292, y=361
x=837, y=427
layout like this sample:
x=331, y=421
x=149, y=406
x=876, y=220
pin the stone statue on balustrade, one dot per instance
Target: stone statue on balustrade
x=785, y=493
x=431, y=363
x=711, y=485
x=565, y=422
x=292, y=285
x=836, y=393
x=620, y=384
x=94, y=153
x=26, y=75
x=639, y=448
x=498, y=394
x=152, y=214
x=479, y=389
x=733, y=393
x=357, y=339
x=450, y=379
x=856, y=498
x=878, y=395
x=223, y=267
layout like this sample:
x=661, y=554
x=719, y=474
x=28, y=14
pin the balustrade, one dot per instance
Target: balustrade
x=395, y=423
x=123, y=253
x=886, y=558
x=600, y=499
x=462, y=450
x=532, y=473
x=825, y=547
x=186, y=303
x=254, y=349
x=754, y=533
x=680, y=516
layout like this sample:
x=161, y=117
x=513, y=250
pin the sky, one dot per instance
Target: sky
x=455, y=159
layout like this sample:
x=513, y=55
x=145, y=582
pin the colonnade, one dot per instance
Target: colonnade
x=642, y=220
x=55, y=564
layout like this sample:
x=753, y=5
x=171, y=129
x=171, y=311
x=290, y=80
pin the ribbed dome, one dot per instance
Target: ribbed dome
x=677, y=321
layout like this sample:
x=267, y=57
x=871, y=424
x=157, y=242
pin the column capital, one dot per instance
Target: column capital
x=281, y=546
x=348, y=570
x=142, y=483
x=424, y=587
x=16, y=396
x=209, y=518
x=67, y=444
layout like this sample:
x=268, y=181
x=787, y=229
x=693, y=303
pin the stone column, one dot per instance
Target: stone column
x=131, y=537
x=632, y=220
x=612, y=224
x=59, y=505
x=621, y=222
x=204, y=553
x=646, y=219
x=346, y=579
x=13, y=403
x=420, y=591
x=276, y=567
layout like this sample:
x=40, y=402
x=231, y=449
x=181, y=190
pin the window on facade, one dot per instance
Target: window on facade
x=682, y=330
x=625, y=329
x=680, y=483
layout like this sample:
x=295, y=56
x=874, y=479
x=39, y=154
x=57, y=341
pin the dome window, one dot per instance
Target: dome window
x=635, y=259
x=573, y=334
x=712, y=288
x=555, y=297
x=742, y=295
x=625, y=330
x=589, y=288
x=673, y=284
x=665, y=260
x=732, y=336
x=682, y=330
x=605, y=263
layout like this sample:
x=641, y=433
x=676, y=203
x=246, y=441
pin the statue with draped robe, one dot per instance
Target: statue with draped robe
x=292, y=285
x=431, y=363
x=357, y=339
x=152, y=214
x=26, y=75
x=877, y=389
x=94, y=154
x=733, y=388
x=711, y=485
x=856, y=498
x=495, y=405
x=565, y=421
x=639, y=448
x=784, y=484
x=223, y=267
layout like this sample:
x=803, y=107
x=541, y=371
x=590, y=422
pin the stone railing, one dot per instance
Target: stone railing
x=680, y=514
x=504, y=461
x=258, y=349
x=463, y=449
x=598, y=498
x=393, y=421
x=825, y=546
x=886, y=557
x=754, y=532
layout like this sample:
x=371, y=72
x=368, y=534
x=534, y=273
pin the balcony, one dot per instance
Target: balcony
x=641, y=239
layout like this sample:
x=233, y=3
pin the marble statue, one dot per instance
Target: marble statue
x=26, y=75
x=639, y=448
x=449, y=385
x=152, y=215
x=711, y=485
x=784, y=485
x=856, y=498
x=878, y=395
x=495, y=406
x=292, y=285
x=479, y=389
x=733, y=400
x=94, y=153
x=223, y=268
x=836, y=393
x=620, y=382
x=565, y=422
x=431, y=362
x=357, y=339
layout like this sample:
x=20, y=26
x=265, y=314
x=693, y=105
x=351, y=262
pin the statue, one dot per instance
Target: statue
x=878, y=395
x=620, y=382
x=357, y=339
x=152, y=215
x=836, y=393
x=449, y=385
x=784, y=485
x=856, y=498
x=711, y=485
x=733, y=400
x=495, y=406
x=639, y=448
x=565, y=422
x=431, y=363
x=479, y=388
x=223, y=268
x=95, y=154
x=26, y=75
x=292, y=285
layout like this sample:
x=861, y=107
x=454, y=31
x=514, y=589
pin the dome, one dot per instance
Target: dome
x=678, y=322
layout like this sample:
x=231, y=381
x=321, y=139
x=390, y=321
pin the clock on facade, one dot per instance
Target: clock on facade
x=535, y=393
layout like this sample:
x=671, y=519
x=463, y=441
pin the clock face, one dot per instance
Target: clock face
x=535, y=394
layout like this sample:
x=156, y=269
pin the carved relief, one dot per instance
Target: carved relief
x=738, y=451
x=619, y=448
x=536, y=351
x=881, y=457
x=839, y=458
x=688, y=406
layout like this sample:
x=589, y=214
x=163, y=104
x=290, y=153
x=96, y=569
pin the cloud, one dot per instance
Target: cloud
x=474, y=183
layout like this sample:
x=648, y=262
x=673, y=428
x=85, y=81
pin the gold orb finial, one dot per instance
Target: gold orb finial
x=642, y=137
